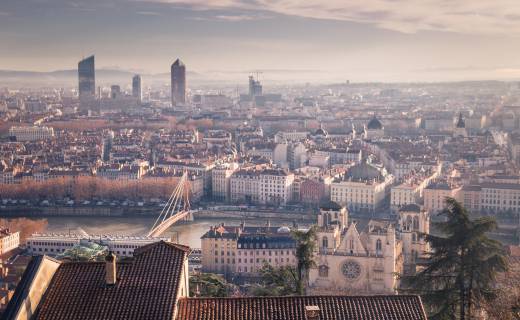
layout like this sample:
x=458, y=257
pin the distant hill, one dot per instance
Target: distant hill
x=69, y=78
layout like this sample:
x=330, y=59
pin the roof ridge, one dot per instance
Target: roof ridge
x=149, y=246
x=393, y=296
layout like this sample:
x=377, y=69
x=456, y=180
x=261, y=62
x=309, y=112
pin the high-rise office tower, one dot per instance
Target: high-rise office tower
x=255, y=87
x=115, y=91
x=87, y=82
x=136, y=88
x=178, y=74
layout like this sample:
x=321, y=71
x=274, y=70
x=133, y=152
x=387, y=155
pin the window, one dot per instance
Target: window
x=379, y=247
x=408, y=223
x=416, y=223
x=323, y=271
x=324, y=242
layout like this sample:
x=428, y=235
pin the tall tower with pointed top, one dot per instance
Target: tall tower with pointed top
x=460, y=127
x=178, y=76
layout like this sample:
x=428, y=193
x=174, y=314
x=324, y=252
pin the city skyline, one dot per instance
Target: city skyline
x=324, y=41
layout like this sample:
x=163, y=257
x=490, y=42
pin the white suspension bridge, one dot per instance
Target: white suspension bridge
x=177, y=208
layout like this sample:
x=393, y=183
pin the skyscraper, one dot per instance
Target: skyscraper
x=178, y=74
x=255, y=87
x=87, y=82
x=136, y=88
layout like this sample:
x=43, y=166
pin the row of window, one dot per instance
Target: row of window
x=47, y=244
x=126, y=246
x=288, y=252
x=251, y=260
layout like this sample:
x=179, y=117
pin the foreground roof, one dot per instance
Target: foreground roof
x=395, y=307
x=146, y=287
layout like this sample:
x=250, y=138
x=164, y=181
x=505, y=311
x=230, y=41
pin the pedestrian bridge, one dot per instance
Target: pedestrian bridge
x=177, y=208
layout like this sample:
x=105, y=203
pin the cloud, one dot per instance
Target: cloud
x=148, y=13
x=233, y=17
x=4, y=14
x=406, y=16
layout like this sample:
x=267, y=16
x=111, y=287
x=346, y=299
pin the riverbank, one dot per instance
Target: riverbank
x=146, y=211
x=187, y=233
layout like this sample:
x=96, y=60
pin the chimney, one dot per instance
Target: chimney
x=110, y=269
x=312, y=312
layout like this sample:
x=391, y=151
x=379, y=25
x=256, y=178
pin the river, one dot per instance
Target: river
x=187, y=233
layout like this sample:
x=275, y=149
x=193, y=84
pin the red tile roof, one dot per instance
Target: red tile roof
x=146, y=287
x=396, y=307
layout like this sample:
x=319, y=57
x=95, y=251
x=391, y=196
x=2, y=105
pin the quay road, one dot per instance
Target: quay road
x=137, y=209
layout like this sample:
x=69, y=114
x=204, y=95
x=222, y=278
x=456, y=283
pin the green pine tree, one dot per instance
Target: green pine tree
x=459, y=272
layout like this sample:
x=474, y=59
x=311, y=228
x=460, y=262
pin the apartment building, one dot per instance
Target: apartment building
x=256, y=250
x=435, y=196
x=362, y=188
x=32, y=133
x=220, y=181
x=242, y=250
x=263, y=186
x=55, y=244
x=8, y=240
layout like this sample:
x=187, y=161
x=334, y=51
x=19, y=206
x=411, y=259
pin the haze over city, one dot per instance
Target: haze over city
x=259, y=160
x=310, y=41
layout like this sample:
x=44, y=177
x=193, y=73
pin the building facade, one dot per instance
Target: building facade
x=178, y=83
x=8, y=240
x=137, y=91
x=33, y=133
x=86, y=83
x=352, y=261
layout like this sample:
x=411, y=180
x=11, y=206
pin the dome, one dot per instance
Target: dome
x=363, y=171
x=283, y=229
x=321, y=131
x=374, y=124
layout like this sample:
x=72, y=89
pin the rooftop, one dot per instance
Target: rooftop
x=402, y=307
x=146, y=287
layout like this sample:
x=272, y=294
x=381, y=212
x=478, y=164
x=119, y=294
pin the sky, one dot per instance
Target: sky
x=306, y=40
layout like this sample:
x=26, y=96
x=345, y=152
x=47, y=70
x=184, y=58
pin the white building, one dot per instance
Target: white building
x=276, y=186
x=411, y=191
x=263, y=186
x=435, y=196
x=54, y=244
x=287, y=136
x=296, y=155
x=8, y=240
x=31, y=133
x=362, y=188
x=220, y=181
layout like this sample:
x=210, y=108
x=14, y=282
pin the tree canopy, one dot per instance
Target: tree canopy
x=460, y=270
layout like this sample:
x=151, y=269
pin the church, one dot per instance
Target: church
x=365, y=259
x=373, y=129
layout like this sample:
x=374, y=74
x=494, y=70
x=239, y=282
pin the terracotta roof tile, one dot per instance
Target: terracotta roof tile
x=146, y=287
x=397, y=307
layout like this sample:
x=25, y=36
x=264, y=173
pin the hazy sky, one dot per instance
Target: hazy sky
x=360, y=40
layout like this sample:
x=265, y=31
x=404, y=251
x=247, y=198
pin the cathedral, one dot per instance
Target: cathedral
x=356, y=259
x=460, y=128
